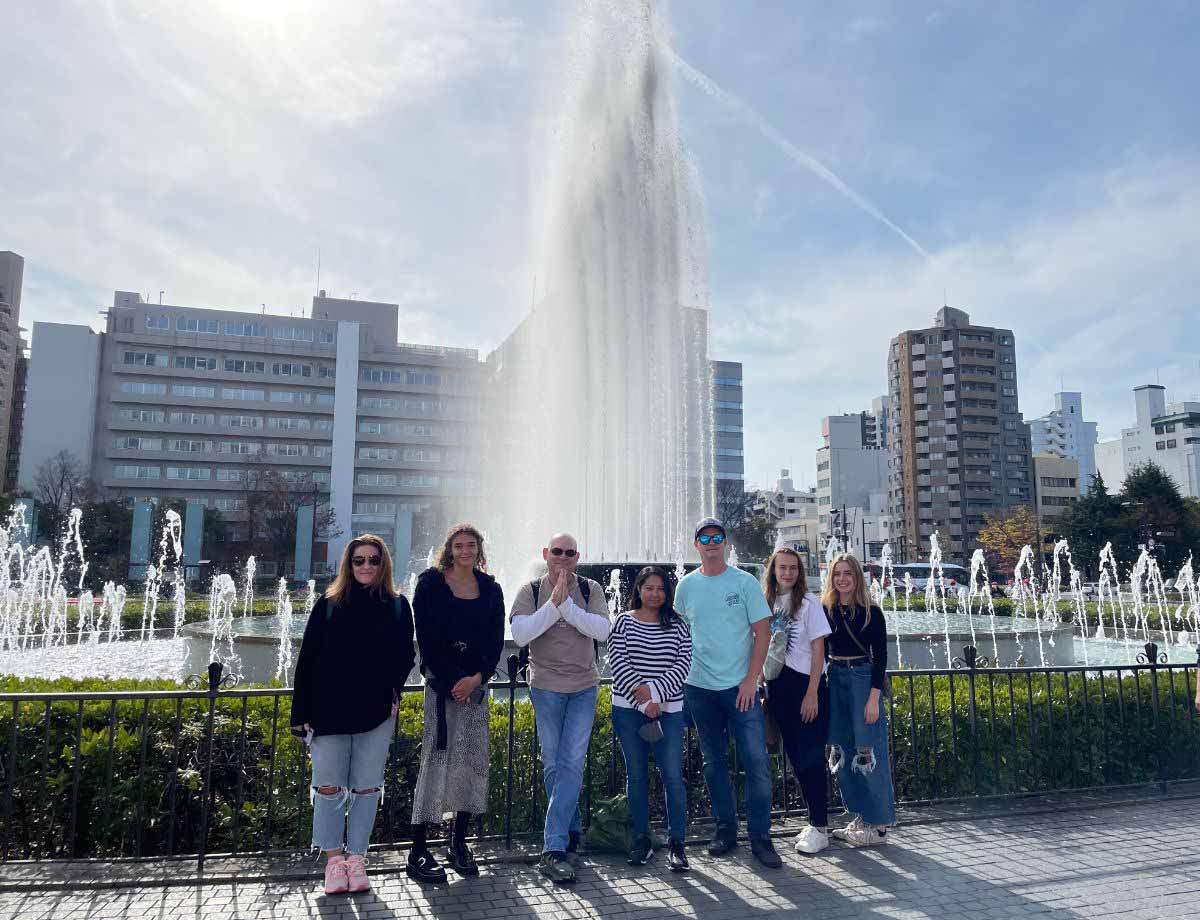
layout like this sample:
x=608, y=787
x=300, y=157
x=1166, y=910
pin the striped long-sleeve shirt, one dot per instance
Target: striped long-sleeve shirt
x=645, y=653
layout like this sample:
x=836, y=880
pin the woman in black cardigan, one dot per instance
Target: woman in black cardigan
x=459, y=611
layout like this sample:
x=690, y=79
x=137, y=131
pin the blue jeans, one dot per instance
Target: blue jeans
x=858, y=752
x=347, y=763
x=716, y=716
x=668, y=754
x=564, y=724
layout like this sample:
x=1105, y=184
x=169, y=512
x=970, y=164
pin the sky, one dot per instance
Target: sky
x=859, y=164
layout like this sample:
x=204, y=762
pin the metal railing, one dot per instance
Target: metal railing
x=213, y=768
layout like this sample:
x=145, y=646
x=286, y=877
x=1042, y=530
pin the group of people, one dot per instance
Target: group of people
x=719, y=651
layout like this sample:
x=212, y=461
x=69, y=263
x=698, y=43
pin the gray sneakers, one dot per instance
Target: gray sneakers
x=556, y=868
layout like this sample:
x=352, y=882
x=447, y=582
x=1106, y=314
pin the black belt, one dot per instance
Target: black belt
x=849, y=662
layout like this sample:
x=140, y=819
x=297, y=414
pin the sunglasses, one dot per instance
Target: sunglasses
x=559, y=551
x=715, y=538
x=359, y=561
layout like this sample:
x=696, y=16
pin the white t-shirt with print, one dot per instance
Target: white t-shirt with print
x=809, y=625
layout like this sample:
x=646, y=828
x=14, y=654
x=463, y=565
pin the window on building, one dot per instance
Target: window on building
x=193, y=391
x=143, y=388
x=146, y=359
x=291, y=369
x=189, y=472
x=196, y=362
x=1170, y=443
x=191, y=324
x=244, y=328
x=157, y=323
x=242, y=366
x=192, y=418
x=326, y=371
x=1160, y=445
x=243, y=393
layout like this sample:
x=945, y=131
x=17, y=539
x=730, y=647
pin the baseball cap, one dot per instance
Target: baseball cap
x=709, y=522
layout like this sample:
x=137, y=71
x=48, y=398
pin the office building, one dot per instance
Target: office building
x=1056, y=482
x=195, y=403
x=1167, y=435
x=958, y=446
x=728, y=438
x=850, y=464
x=12, y=272
x=1063, y=433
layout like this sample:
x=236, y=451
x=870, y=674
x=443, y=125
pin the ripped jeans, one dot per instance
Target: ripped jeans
x=346, y=763
x=858, y=752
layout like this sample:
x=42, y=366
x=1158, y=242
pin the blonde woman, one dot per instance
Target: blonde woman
x=354, y=660
x=858, y=737
x=798, y=698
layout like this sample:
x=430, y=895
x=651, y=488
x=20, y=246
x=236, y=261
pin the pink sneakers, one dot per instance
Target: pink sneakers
x=356, y=873
x=336, y=879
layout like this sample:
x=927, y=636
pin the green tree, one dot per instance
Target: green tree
x=1156, y=514
x=1088, y=524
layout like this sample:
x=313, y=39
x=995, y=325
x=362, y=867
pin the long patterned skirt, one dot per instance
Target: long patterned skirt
x=456, y=778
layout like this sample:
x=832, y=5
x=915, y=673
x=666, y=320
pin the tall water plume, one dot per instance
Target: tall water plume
x=600, y=408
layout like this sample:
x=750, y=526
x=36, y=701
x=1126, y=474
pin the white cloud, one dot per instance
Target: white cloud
x=1097, y=281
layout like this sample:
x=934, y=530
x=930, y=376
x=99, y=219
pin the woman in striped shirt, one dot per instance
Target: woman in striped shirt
x=649, y=654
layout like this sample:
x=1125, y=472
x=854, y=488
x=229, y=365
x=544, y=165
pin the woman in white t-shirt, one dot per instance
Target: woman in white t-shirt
x=799, y=697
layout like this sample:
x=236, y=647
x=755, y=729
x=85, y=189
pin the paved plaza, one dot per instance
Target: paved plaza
x=1064, y=857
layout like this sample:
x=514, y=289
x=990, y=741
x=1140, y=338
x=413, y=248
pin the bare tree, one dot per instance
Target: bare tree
x=60, y=482
x=734, y=504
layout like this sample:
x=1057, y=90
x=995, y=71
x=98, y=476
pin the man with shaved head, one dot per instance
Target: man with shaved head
x=561, y=617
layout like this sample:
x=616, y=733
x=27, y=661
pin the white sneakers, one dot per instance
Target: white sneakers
x=812, y=840
x=859, y=834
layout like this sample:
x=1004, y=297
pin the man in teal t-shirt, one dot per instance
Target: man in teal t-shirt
x=728, y=617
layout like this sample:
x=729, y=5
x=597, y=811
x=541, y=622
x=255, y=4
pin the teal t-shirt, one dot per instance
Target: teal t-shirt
x=719, y=610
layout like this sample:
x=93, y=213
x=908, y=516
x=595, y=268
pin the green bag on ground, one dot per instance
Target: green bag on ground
x=610, y=830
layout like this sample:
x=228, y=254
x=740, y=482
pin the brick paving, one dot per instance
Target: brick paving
x=1082, y=857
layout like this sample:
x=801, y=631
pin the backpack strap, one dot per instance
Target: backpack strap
x=585, y=588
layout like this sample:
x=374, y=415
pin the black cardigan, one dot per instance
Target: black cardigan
x=455, y=643
x=353, y=663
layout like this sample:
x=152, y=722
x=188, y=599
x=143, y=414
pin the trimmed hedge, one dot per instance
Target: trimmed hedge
x=1038, y=731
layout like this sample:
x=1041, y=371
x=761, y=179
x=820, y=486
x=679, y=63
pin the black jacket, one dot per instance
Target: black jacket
x=455, y=643
x=353, y=662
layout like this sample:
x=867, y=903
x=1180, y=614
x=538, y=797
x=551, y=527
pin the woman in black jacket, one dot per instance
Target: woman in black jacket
x=354, y=661
x=460, y=632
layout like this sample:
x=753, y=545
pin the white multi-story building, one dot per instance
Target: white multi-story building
x=784, y=500
x=190, y=403
x=1167, y=435
x=851, y=467
x=1063, y=433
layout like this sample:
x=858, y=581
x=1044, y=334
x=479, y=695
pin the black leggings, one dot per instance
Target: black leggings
x=804, y=742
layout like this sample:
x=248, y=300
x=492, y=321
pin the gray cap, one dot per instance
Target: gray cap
x=709, y=522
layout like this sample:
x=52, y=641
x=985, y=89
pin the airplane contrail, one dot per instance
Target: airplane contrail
x=798, y=156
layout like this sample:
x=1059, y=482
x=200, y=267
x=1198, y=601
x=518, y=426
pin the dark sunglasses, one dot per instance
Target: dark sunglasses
x=366, y=560
x=714, y=538
x=559, y=551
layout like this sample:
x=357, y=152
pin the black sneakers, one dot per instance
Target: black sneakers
x=723, y=841
x=676, y=856
x=423, y=867
x=462, y=860
x=764, y=852
x=643, y=849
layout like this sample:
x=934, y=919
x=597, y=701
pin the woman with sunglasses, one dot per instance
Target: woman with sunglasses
x=460, y=633
x=649, y=655
x=858, y=735
x=353, y=664
x=798, y=698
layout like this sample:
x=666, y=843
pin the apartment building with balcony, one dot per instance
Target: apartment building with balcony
x=191, y=403
x=959, y=447
x=1064, y=433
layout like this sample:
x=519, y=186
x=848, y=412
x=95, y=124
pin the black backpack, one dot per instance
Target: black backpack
x=585, y=588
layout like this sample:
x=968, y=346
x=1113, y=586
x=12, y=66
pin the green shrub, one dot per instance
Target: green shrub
x=107, y=778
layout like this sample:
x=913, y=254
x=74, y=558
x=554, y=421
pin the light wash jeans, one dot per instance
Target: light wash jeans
x=564, y=724
x=348, y=762
x=716, y=716
x=668, y=754
x=864, y=779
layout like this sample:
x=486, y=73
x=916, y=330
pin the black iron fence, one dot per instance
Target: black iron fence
x=190, y=772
